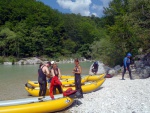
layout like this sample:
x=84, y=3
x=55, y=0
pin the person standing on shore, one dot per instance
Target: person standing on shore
x=55, y=82
x=126, y=64
x=55, y=71
x=43, y=72
x=77, y=73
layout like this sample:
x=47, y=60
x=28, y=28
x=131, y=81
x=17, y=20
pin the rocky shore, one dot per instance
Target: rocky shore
x=140, y=67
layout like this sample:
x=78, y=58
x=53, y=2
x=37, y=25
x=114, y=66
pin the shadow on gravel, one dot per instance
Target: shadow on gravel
x=98, y=89
x=76, y=103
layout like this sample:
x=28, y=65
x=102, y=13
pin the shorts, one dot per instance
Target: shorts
x=49, y=80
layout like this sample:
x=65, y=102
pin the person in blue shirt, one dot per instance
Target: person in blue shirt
x=126, y=64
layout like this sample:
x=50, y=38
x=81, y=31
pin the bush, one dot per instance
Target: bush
x=8, y=59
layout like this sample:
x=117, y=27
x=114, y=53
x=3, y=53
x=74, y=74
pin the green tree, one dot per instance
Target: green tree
x=8, y=42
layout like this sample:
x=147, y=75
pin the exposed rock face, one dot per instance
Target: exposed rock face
x=7, y=63
x=142, y=66
x=117, y=69
x=112, y=72
x=30, y=61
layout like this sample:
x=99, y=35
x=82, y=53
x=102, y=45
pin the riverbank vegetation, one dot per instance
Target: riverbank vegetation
x=30, y=28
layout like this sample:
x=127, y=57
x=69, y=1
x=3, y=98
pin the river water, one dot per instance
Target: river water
x=14, y=77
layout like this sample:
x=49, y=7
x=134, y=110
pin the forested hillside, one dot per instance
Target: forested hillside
x=30, y=28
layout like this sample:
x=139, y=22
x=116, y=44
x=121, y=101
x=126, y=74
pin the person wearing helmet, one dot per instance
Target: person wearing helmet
x=126, y=64
x=95, y=67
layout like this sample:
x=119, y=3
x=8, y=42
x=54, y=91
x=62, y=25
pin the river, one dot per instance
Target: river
x=13, y=78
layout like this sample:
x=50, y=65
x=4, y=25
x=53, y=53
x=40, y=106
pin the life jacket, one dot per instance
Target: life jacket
x=108, y=76
x=56, y=72
x=69, y=91
x=76, y=68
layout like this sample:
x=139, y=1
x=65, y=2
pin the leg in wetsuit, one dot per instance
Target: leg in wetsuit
x=43, y=87
x=124, y=71
x=78, y=84
x=57, y=87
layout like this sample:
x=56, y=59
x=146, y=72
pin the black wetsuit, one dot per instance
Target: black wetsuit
x=42, y=82
x=78, y=82
x=56, y=72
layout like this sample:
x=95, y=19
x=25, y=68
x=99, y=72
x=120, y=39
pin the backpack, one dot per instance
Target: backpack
x=69, y=92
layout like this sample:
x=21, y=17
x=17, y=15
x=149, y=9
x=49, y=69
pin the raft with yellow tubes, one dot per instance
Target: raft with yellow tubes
x=89, y=77
x=70, y=80
x=63, y=81
x=86, y=88
x=33, y=105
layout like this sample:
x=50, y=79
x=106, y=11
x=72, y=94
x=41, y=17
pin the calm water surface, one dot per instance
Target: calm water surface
x=13, y=78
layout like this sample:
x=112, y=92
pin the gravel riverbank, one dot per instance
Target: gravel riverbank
x=116, y=96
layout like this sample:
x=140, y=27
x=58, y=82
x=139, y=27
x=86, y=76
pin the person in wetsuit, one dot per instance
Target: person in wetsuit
x=43, y=72
x=95, y=67
x=77, y=73
x=126, y=65
x=55, y=71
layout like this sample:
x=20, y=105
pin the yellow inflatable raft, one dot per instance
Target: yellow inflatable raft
x=33, y=105
x=89, y=77
x=87, y=87
x=70, y=80
x=63, y=81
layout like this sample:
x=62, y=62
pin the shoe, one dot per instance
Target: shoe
x=122, y=79
x=131, y=79
x=40, y=98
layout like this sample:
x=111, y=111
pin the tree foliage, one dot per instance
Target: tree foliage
x=127, y=25
x=30, y=28
x=40, y=30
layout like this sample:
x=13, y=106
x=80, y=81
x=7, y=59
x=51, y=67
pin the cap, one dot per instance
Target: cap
x=52, y=62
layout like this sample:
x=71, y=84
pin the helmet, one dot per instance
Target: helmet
x=52, y=62
x=129, y=54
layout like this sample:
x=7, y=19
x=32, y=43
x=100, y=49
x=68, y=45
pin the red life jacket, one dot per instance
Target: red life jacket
x=69, y=91
x=108, y=76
